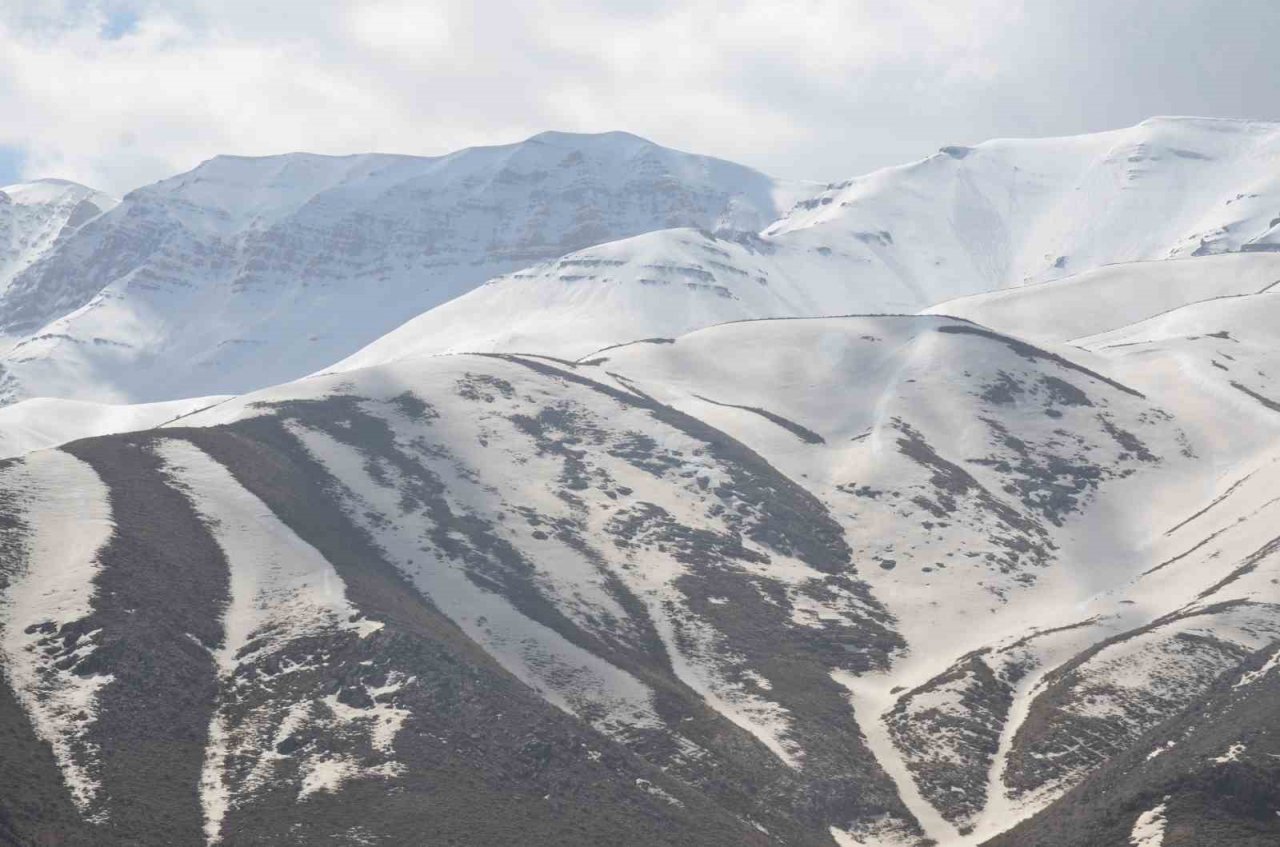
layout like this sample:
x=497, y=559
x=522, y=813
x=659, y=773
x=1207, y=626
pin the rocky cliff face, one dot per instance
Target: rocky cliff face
x=37, y=216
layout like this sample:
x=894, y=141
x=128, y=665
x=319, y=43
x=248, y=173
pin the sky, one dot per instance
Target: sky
x=120, y=93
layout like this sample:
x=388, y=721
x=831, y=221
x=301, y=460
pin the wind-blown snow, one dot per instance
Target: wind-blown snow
x=66, y=520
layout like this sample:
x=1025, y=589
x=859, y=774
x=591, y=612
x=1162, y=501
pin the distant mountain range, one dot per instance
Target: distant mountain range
x=582, y=491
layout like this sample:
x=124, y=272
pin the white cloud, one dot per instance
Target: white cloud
x=818, y=88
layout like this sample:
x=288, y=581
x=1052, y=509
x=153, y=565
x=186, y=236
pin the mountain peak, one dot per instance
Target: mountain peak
x=52, y=190
x=564, y=139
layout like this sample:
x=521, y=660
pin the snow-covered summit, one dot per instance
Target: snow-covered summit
x=298, y=261
x=966, y=221
x=1018, y=210
x=292, y=262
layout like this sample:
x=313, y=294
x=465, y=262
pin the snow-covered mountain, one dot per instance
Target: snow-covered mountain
x=295, y=262
x=34, y=216
x=292, y=262
x=1002, y=573
x=965, y=221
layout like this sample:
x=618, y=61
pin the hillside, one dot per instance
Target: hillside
x=780, y=598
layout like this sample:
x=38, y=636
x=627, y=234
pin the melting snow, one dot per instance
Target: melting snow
x=67, y=512
x=1232, y=754
x=1148, y=830
x=281, y=589
x=1253, y=676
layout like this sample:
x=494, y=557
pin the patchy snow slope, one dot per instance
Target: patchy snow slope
x=283, y=594
x=64, y=520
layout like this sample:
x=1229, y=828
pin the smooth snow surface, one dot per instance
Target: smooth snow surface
x=1115, y=296
x=47, y=422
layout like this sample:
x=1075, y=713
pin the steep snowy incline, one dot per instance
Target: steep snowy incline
x=659, y=284
x=292, y=262
x=34, y=216
x=1200, y=333
x=1114, y=296
x=1023, y=210
x=963, y=222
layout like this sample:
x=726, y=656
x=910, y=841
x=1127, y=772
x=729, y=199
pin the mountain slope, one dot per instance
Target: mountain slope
x=966, y=221
x=294, y=261
x=34, y=216
x=278, y=254
x=1114, y=296
x=1026, y=210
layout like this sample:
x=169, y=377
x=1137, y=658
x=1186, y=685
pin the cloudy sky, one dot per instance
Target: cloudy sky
x=117, y=93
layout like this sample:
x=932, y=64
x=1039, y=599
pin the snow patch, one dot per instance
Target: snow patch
x=1148, y=830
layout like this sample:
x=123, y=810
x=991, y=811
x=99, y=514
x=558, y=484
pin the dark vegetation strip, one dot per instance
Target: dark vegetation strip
x=1266, y=401
x=159, y=599
x=806, y=435
x=1223, y=496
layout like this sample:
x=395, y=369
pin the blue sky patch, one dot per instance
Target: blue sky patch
x=11, y=159
x=120, y=22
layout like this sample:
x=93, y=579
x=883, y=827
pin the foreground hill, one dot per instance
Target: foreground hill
x=866, y=580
